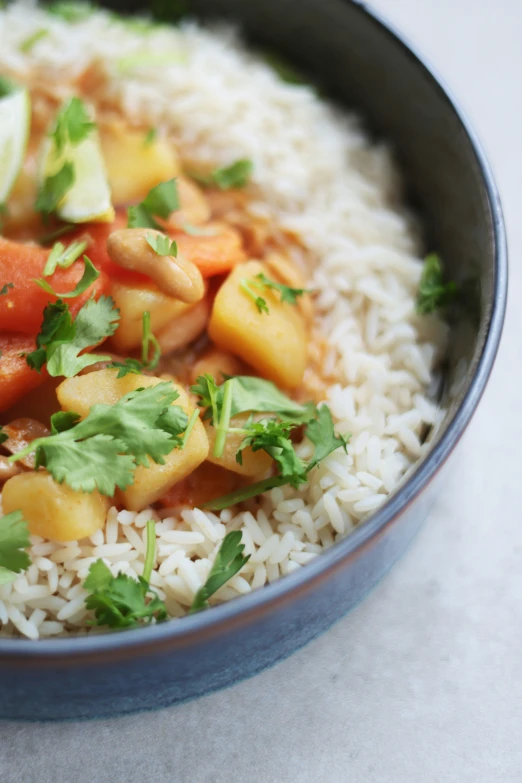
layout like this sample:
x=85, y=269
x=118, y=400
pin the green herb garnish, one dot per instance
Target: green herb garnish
x=54, y=188
x=31, y=40
x=120, y=601
x=90, y=275
x=434, y=293
x=14, y=540
x=5, y=289
x=162, y=245
x=160, y=202
x=148, y=342
x=73, y=125
x=150, y=137
x=259, y=302
x=62, y=256
x=237, y=175
x=61, y=340
x=228, y=561
x=103, y=450
x=70, y=11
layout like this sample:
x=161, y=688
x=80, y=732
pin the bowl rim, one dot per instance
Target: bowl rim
x=204, y=625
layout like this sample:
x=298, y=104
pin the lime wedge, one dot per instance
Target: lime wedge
x=89, y=198
x=15, y=121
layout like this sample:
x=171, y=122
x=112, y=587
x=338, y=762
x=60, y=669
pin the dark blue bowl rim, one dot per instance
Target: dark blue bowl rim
x=205, y=625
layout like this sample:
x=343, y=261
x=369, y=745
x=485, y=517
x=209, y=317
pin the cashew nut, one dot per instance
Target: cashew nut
x=174, y=275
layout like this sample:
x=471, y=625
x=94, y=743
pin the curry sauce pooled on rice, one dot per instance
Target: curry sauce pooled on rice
x=215, y=356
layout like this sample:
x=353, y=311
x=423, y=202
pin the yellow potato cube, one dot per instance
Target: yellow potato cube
x=133, y=300
x=274, y=343
x=79, y=394
x=134, y=167
x=54, y=510
x=255, y=463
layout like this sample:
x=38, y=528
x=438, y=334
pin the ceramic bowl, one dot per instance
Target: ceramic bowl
x=363, y=64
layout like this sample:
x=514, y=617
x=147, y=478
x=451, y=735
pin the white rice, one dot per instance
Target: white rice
x=319, y=176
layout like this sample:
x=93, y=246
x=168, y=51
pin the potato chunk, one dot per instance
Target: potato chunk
x=81, y=393
x=273, y=343
x=255, y=463
x=134, y=167
x=133, y=300
x=54, y=510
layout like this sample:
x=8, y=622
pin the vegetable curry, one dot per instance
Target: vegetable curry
x=157, y=336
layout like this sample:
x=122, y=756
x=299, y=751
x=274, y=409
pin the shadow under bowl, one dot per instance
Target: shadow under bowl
x=364, y=65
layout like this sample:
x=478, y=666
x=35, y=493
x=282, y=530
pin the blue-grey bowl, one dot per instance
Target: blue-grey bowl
x=365, y=65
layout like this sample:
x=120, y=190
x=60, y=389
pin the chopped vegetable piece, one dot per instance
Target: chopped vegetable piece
x=162, y=245
x=433, y=292
x=16, y=378
x=63, y=256
x=14, y=539
x=90, y=274
x=102, y=451
x=15, y=121
x=54, y=510
x=22, y=310
x=30, y=42
x=228, y=561
x=160, y=202
x=215, y=251
x=61, y=339
x=120, y=601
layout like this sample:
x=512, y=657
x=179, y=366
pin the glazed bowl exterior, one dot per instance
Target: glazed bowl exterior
x=360, y=62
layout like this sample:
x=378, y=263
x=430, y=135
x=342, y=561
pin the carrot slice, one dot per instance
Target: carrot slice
x=22, y=306
x=213, y=254
x=16, y=377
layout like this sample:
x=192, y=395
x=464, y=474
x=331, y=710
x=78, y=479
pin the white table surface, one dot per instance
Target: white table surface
x=422, y=683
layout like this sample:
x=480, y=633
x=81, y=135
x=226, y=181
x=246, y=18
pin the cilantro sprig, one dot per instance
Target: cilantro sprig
x=148, y=342
x=90, y=275
x=160, y=202
x=434, y=293
x=228, y=561
x=54, y=188
x=162, y=245
x=61, y=340
x=5, y=289
x=103, y=450
x=63, y=257
x=271, y=434
x=14, y=540
x=261, y=281
x=236, y=175
x=120, y=601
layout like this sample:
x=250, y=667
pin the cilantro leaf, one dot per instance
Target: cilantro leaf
x=123, y=602
x=148, y=341
x=322, y=434
x=30, y=42
x=90, y=274
x=250, y=394
x=70, y=11
x=150, y=137
x=236, y=175
x=434, y=293
x=287, y=293
x=6, y=86
x=57, y=326
x=259, y=302
x=73, y=125
x=97, y=320
x=160, y=202
x=271, y=436
x=14, y=539
x=102, y=450
x=54, y=188
x=162, y=245
x=63, y=256
x=5, y=289
x=228, y=561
